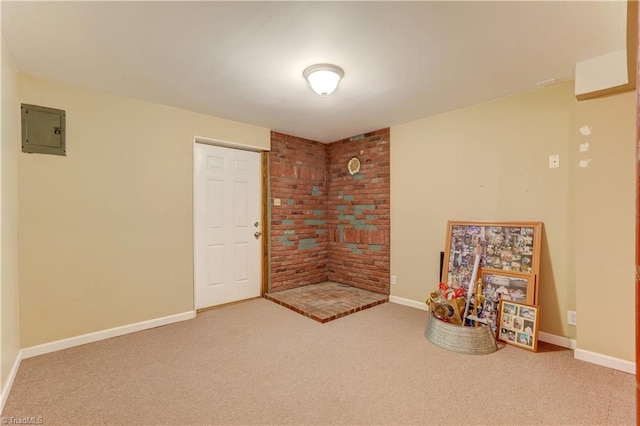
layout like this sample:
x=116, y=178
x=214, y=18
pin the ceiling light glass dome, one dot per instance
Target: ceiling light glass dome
x=323, y=78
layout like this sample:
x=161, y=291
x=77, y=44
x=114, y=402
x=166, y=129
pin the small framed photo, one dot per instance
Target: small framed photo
x=518, y=324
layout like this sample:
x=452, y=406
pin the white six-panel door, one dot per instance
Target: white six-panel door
x=227, y=226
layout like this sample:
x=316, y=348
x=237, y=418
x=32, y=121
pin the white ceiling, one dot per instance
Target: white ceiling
x=244, y=60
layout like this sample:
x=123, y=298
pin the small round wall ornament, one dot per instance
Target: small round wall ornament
x=353, y=166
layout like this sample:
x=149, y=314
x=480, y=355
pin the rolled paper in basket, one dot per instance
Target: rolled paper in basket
x=472, y=285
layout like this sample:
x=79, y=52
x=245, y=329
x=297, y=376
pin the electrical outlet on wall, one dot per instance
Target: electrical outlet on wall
x=394, y=280
x=572, y=318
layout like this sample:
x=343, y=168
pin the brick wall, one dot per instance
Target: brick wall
x=330, y=224
x=358, y=212
x=297, y=169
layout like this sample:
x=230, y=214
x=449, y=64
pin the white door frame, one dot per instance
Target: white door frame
x=263, y=203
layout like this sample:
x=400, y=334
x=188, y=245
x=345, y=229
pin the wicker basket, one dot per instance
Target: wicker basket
x=456, y=338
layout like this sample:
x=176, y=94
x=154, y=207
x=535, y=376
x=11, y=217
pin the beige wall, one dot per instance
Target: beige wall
x=9, y=303
x=106, y=232
x=486, y=162
x=605, y=224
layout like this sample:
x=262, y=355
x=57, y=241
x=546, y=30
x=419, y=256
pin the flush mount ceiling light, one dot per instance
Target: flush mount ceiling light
x=323, y=78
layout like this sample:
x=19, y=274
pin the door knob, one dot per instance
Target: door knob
x=256, y=224
x=257, y=234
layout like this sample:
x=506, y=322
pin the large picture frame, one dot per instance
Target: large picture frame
x=507, y=247
x=518, y=324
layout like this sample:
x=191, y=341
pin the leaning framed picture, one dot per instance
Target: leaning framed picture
x=518, y=324
x=512, y=247
x=497, y=286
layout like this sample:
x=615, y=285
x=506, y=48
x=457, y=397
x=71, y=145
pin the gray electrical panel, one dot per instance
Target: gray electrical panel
x=43, y=130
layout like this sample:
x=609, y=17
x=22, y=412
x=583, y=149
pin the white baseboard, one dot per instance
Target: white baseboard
x=408, y=302
x=564, y=342
x=9, y=383
x=58, y=345
x=605, y=361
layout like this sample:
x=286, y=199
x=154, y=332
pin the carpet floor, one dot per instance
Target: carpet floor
x=259, y=363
